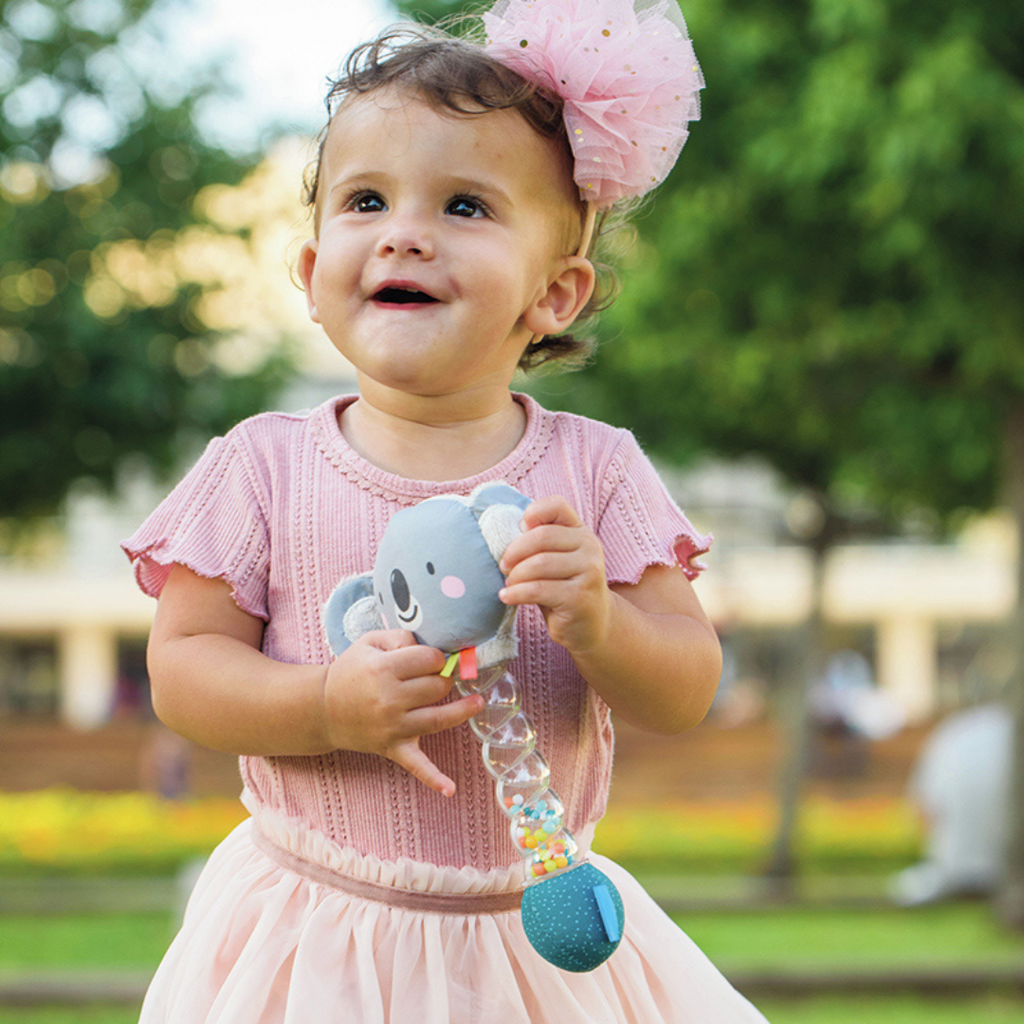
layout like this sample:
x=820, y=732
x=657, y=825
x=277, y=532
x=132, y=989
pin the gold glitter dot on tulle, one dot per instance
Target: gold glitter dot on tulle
x=605, y=32
x=524, y=42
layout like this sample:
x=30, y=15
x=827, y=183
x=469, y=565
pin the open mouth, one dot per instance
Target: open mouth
x=402, y=296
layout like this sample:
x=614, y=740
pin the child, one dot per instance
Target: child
x=376, y=880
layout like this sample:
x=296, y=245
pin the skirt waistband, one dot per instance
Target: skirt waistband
x=501, y=902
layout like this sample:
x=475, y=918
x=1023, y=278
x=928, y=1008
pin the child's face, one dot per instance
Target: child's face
x=442, y=243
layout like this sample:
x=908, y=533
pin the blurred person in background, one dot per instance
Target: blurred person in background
x=961, y=786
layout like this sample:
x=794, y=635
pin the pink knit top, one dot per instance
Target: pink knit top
x=282, y=509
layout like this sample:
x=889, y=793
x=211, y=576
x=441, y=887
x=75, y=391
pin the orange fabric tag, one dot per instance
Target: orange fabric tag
x=467, y=663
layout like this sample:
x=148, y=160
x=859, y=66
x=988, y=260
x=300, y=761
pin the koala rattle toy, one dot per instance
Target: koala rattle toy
x=436, y=574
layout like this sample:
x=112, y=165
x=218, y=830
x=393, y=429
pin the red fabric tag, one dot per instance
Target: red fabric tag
x=467, y=663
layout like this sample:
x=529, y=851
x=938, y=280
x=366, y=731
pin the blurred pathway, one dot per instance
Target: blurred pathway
x=706, y=763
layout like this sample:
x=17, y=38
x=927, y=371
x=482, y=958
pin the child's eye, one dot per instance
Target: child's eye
x=367, y=202
x=466, y=206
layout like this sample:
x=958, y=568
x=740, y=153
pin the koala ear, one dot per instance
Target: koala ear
x=487, y=495
x=350, y=612
x=499, y=525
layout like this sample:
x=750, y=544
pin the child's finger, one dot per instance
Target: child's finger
x=424, y=691
x=536, y=540
x=388, y=639
x=432, y=718
x=545, y=593
x=545, y=565
x=409, y=662
x=554, y=510
x=407, y=753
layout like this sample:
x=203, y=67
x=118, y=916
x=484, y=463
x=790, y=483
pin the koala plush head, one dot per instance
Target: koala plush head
x=436, y=574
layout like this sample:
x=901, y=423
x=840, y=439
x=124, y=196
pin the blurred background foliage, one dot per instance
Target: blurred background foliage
x=843, y=238
x=105, y=351
x=830, y=278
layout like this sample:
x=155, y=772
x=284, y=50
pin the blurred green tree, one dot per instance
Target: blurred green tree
x=104, y=349
x=429, y=11
x=833, y=279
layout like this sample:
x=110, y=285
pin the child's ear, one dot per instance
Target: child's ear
x=307, y=261
x=555, y=309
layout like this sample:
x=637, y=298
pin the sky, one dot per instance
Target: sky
x=277, y=54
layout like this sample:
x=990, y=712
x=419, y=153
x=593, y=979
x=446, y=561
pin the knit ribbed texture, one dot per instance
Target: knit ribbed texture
x=282, y=508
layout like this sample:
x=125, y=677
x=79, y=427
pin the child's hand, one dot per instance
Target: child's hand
x=558, y=564
x=381, y=695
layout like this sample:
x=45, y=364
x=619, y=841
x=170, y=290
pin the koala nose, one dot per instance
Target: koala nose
x=400, y=590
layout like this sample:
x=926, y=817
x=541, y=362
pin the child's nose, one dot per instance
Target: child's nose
x=406, y=236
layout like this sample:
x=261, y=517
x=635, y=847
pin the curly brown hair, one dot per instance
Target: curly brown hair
x=455, y=74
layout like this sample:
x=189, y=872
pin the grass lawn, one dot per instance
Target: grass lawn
x=68, y=1015
x=83, y=940
x=847, y=1010
x=961, y=934
x=891, y=1010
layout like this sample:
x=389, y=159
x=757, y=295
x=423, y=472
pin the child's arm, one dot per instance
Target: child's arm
x=648, y=650
x=212, y=684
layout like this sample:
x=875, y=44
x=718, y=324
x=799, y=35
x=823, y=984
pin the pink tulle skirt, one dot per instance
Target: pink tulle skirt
x=285, y=927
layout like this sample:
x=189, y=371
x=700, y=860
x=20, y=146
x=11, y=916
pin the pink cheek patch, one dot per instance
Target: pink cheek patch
x=452, y=586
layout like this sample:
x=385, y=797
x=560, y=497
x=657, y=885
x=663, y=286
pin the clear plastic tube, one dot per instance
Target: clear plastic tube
x=508, y=746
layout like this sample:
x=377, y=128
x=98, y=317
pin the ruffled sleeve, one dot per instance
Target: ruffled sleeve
x=213, y=523
x=639, y=523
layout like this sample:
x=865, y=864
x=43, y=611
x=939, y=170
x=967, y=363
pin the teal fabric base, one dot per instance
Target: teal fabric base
x=574, y=920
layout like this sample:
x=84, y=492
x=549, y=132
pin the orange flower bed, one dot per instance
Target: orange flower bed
x=64, y=828
x=67, y=829
x=736, y=835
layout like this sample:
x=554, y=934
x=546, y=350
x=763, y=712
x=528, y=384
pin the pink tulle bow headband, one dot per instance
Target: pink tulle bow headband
x=628, y=77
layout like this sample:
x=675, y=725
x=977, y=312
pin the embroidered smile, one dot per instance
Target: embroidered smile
x=410, y=614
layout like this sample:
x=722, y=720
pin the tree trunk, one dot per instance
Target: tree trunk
x=1010, y=897
x=798, y=728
